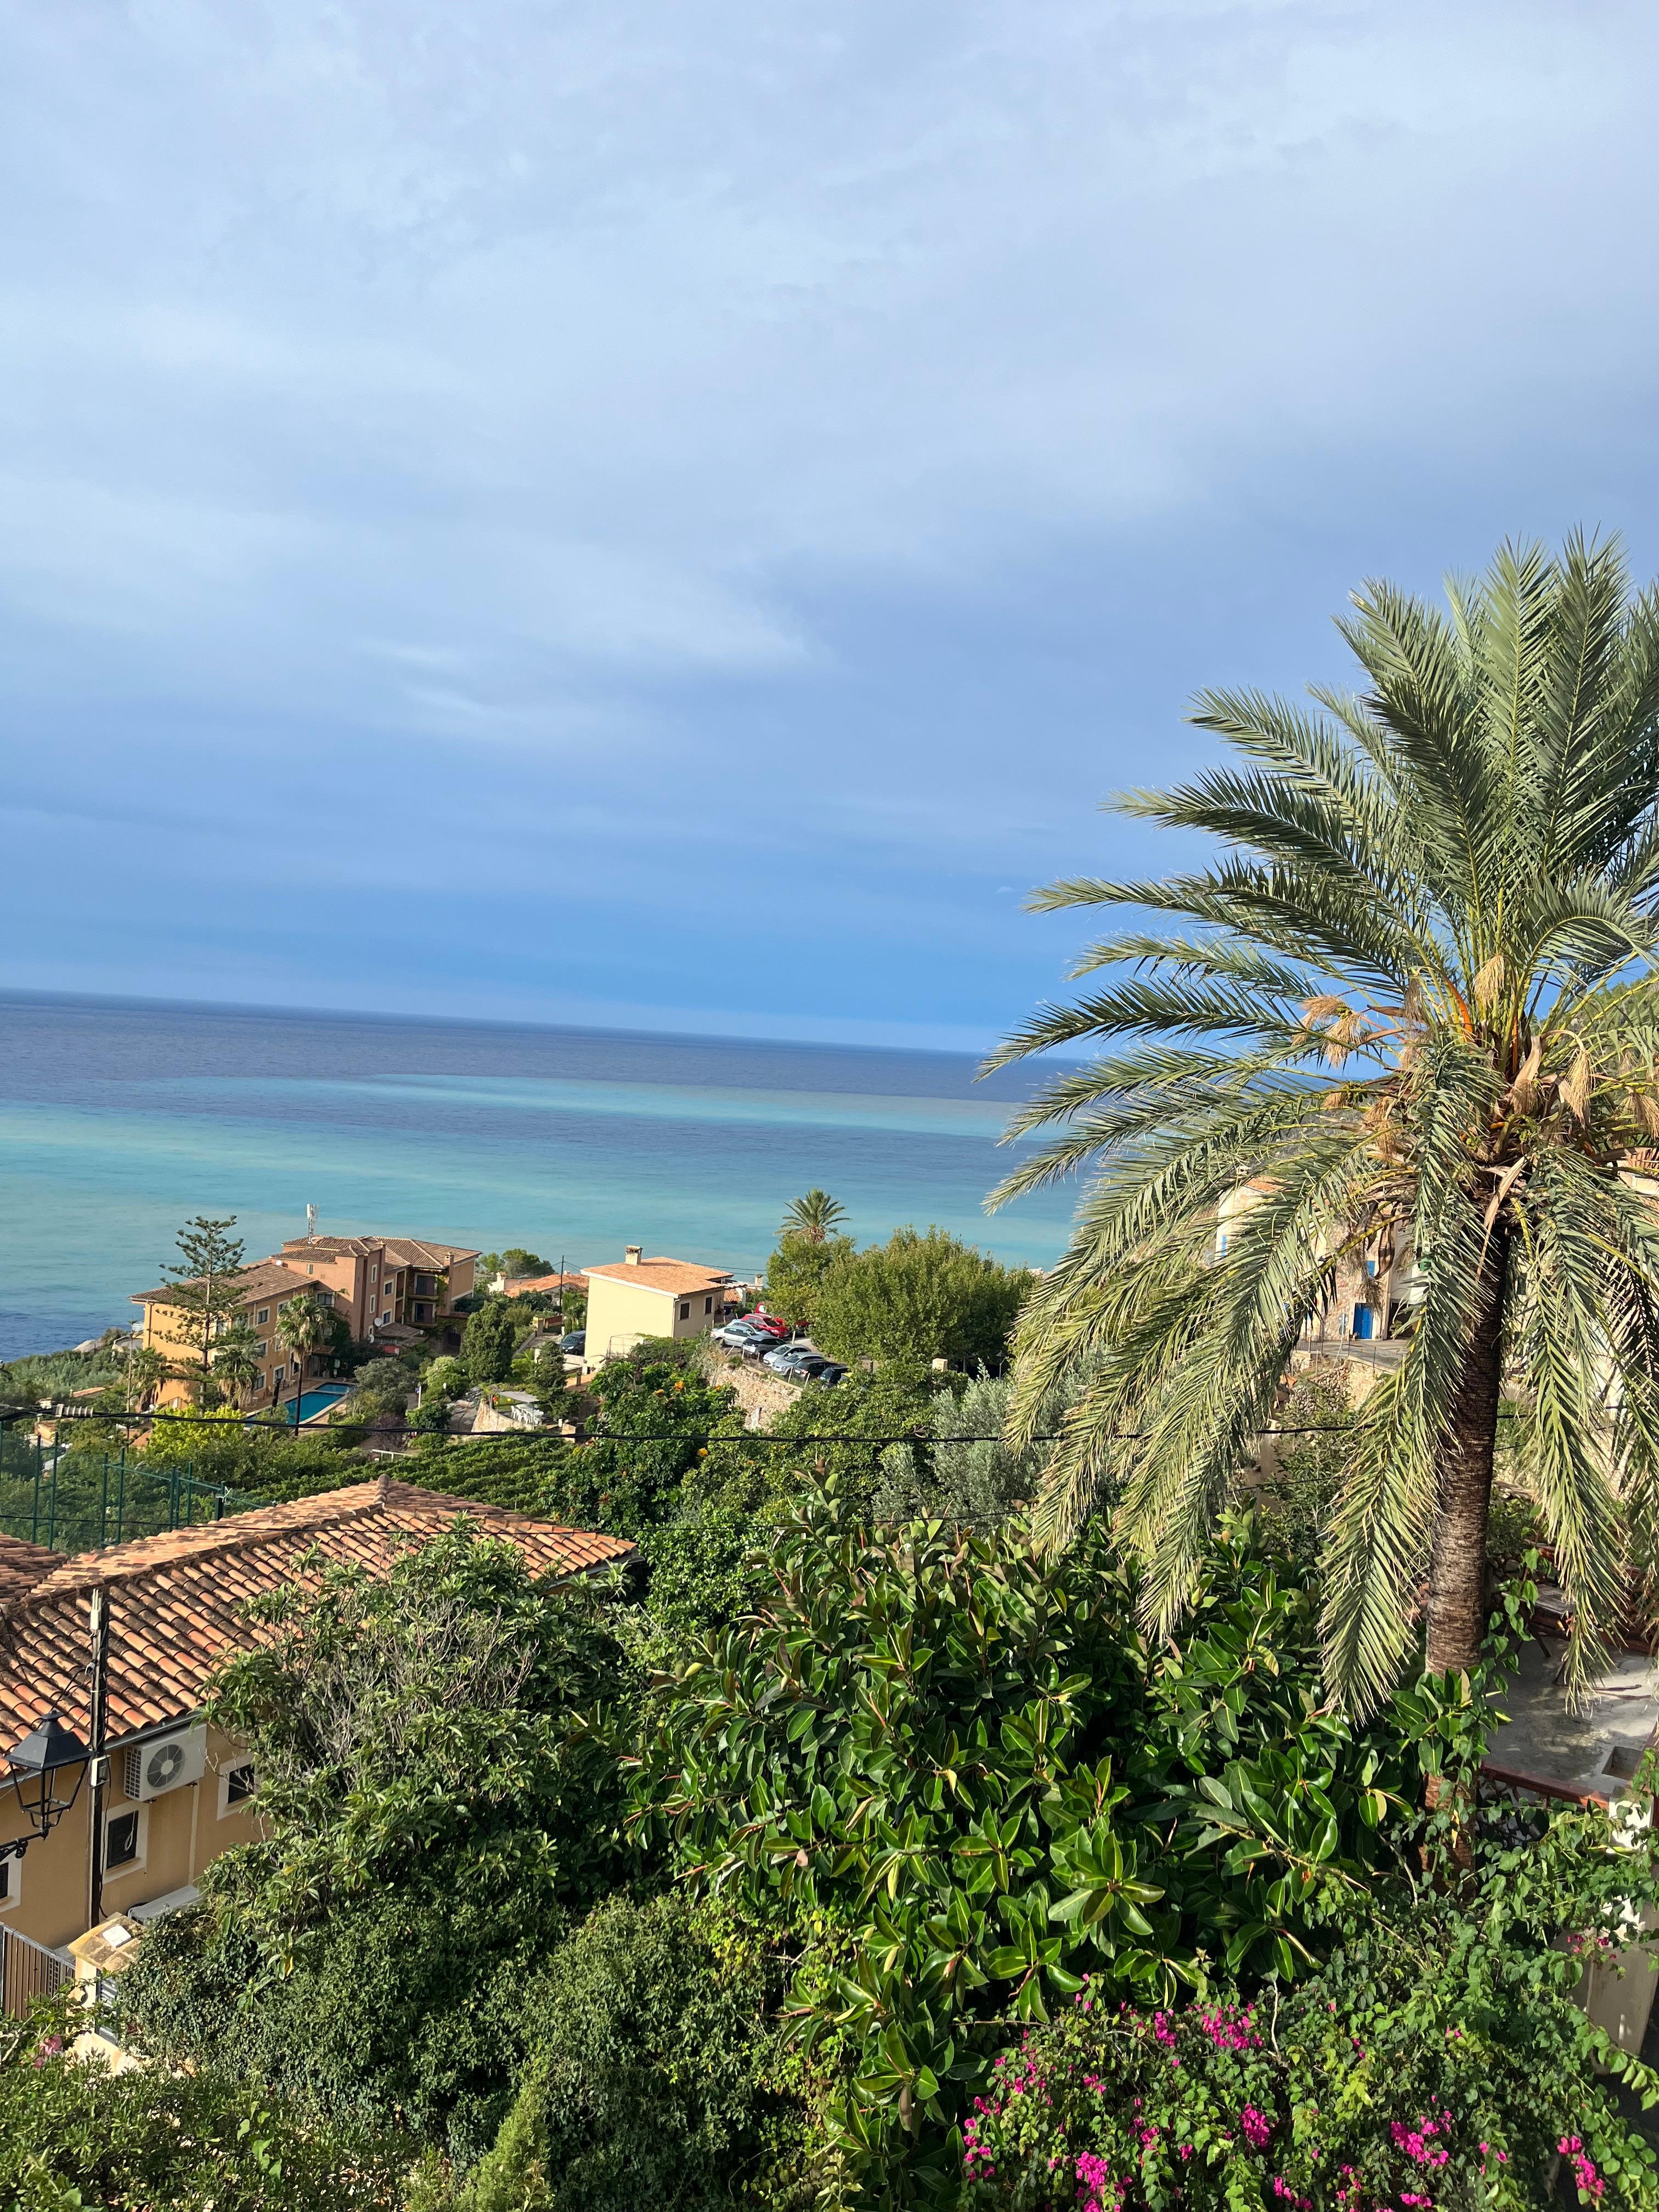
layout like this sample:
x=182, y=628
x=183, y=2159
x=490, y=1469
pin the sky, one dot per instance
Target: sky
x=675, y=513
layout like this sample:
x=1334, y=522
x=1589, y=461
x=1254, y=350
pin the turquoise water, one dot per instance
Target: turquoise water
x=120, y=1119
x=318, y=1401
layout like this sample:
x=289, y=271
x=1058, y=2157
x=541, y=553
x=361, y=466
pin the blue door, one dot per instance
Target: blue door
x=1362, y=1320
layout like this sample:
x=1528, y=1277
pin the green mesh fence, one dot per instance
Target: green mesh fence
x=84, y=1501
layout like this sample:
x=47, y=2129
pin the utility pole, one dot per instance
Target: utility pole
x=98, y=1763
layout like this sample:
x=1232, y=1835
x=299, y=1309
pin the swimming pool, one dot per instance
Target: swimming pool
x=319, y=1401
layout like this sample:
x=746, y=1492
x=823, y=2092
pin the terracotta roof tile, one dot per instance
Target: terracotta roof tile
x=23, y=1565
x=670, y=1275
x=176, y=1600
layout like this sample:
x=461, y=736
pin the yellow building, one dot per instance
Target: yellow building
x=179, y=1792
x=642, y=1298
x=380, y=1286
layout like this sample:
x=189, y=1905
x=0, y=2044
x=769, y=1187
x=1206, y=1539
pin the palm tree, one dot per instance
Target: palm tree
x=144, y=1372
x=236, y=1359
x=813, y=1217
x=1415, y=1000
x=304, y=1325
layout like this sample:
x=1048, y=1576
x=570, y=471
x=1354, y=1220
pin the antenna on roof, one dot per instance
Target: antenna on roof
x=311, y=1222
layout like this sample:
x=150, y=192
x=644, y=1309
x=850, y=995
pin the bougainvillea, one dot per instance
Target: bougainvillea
x=1436, y=2061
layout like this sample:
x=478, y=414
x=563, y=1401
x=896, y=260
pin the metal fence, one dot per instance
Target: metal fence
x=28, y=1971
x=82, y=1501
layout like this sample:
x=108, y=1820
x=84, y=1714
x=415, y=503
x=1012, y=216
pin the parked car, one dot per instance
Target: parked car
x=576, y=1342
x=830, y=1372
x=746, y=1329
x=792, y=1358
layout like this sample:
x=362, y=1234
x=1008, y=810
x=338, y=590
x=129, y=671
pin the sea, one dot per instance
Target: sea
x=121, y=1118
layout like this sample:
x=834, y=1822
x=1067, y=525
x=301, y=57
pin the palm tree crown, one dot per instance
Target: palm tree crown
x=812, y=1217
x=1414, y=1001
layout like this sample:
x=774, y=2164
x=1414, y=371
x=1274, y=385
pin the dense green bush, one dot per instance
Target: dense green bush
x=955, y=1776
x=487, y=1342
x=659, y=2076
x=72, y=2134
x=1438, y=2058
x=796, y=1272
x=917, y=1298
x=438, y=1792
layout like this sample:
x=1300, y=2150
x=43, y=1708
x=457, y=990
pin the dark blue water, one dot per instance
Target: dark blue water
x=120, y=1118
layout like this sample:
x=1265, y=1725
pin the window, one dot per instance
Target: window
x=310, y=1270
x=123, y=1841
x=685, y=1310
x=262, y=1316
x=11, y=1881
x=422, y=1314
x=708, y=1305
x=236, y=1787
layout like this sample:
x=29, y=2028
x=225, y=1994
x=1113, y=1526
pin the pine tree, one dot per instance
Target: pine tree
x=206, y=1294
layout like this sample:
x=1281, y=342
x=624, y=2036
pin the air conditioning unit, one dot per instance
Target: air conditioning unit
x=167, y=1762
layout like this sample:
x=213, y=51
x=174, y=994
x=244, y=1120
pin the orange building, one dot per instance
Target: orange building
x=377, y=1285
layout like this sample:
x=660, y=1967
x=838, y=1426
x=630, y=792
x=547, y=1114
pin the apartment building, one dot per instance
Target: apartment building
x=377, y=1285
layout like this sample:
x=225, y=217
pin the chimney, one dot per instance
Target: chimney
x=633, y=1253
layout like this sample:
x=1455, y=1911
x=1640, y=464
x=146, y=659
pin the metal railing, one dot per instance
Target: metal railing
x=84, y=1501
x=28, y=1971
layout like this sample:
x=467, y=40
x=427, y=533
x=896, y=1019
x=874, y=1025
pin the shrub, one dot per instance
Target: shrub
x=487, y=1343
x=955, y=1776
x=1436, y=2059
x=658, y=2076
x=437, y=1796
x=918, y=1298
x=71, y=2133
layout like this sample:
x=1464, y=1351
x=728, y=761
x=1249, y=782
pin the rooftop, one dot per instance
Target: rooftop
x=402, y=1251
x=265, y=1279
x=676, y=1277
x=177, y=1602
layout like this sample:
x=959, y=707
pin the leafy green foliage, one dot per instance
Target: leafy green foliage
x=73, y=2134
x=965, y=1765
x=1438, y=2056
x=487, y=1342
x=657, y=1407
x=56, y=1375
x=658, y=2076
x=918, y=1298
x=431, y=1753
x=796, y=1272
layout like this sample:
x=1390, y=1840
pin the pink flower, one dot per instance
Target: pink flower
x=1590, y=2183
x=1256, y=2125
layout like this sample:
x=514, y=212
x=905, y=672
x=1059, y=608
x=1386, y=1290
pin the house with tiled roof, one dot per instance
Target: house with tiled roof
x=638, y=1298
x=395, y=1289
x=180, y=1792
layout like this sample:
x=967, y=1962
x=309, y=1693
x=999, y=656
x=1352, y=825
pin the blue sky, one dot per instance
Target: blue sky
x=674, y=514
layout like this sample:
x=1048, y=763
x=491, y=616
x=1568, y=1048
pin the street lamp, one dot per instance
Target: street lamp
x=40, y=1765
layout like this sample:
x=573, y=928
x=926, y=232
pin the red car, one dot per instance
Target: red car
x=768, y=1325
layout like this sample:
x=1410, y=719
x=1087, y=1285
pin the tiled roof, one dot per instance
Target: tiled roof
x=402, y=1251
x=22, y=1565
x=265, y=1279
x=176, y=1601
x=675, y=1276
x=518, y=1284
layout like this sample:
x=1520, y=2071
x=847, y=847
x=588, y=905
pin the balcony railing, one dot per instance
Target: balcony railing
x=28, y=1971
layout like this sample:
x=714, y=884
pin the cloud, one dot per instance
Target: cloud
x=817, y=445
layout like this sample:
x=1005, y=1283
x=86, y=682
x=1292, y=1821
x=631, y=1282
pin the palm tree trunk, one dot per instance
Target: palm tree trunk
x=1457, y=1574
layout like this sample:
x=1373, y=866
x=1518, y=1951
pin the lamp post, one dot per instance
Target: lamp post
x=48, y=1766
